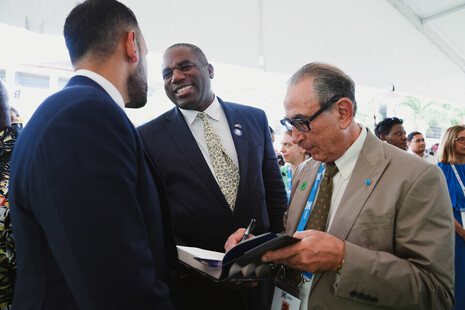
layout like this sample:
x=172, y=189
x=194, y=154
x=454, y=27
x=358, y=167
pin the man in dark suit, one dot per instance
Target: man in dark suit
x=89, y=224
x=203, y=213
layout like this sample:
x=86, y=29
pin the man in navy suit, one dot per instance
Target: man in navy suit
x=176, y=143
x=90, y=228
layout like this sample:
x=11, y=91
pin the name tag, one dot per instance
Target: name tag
x=284, y=301
x=463, y=218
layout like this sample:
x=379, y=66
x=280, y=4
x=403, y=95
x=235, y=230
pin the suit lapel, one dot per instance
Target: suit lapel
x=301, y=188
x=370, y=165
x=238, y=128
x=185, y=141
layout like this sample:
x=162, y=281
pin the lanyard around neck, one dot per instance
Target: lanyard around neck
x=458, y=179
x=311, y=199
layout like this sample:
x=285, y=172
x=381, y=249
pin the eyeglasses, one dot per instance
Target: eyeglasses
x=303, y=125
x=460, y=140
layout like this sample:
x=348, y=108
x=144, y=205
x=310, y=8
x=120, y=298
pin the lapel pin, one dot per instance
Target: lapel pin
x=303, y=186
x=368, y=182
x=238, y=126
x=237, y=132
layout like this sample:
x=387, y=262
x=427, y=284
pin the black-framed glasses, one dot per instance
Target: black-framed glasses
x=303, y=124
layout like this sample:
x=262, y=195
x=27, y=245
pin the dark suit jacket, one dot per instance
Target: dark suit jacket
x=395, y=217
x=200, y=213
x=89, y=227
x=201, y=216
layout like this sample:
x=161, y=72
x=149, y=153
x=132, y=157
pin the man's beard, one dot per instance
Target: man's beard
x=137, y=88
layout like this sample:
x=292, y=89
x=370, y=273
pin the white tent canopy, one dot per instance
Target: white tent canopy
x=413, y=46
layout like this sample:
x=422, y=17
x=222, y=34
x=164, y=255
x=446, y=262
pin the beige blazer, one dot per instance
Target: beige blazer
x=398, y=230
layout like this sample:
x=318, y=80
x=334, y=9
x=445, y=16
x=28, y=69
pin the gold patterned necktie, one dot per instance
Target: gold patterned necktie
x=226, y=172
x=320, y=210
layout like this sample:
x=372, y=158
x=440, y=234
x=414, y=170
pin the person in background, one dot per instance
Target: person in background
x=451, y=159
x=293, y=155
x=433, y=150
x=417, y=146
x=9, y=131
x=91, y=223
x=391, y=130
x=279, y=156
x=217, y=162
x=14, y=116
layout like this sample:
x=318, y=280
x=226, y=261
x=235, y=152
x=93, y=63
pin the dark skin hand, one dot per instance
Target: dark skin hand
x=234, y=239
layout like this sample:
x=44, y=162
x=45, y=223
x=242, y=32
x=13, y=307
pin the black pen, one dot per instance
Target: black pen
x=249, y=229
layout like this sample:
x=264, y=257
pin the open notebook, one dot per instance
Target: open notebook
x=241, y=263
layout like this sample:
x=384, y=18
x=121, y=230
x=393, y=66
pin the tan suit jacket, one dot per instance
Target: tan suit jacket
x=398, y=230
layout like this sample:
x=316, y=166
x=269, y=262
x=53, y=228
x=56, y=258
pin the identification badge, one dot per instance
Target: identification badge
x=463, y=218
x=284, y=301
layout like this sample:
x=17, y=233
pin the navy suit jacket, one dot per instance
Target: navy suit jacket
x=90, y=230
x=201, y=216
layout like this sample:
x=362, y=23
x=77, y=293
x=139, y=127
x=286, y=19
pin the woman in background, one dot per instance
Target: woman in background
x=451, y=159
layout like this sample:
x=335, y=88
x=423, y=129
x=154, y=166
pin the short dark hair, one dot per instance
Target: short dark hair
x=194, y=49
x=96, y=26
x=328, y=82
x=384, y=127
x=413, y=134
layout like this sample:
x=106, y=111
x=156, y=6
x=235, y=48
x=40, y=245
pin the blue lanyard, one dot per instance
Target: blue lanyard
x=289, y=182
x=309, y=204
x=308, y=210
x=462, y=209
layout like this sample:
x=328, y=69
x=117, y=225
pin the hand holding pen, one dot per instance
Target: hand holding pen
x=239, y=235
x=249, y=229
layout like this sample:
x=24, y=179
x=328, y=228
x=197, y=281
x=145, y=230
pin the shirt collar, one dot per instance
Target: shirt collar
x=105, y=84
x=213, y=111
x=346, y=163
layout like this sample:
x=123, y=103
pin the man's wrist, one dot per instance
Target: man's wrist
x=341, y=261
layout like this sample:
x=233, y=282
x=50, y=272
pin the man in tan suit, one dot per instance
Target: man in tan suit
x=388, y=241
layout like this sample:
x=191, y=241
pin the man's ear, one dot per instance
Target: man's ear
x=131, y=46
x=211, y=71
x=382, y=138
x=346, y=112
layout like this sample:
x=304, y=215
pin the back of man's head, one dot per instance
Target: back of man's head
x=328, y=82
x=384, y=127
x=412, y=134
x=96, y=26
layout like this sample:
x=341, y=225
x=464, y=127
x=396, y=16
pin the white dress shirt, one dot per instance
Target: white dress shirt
x=105, y=84
x=219, y=122
x=345, y=164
